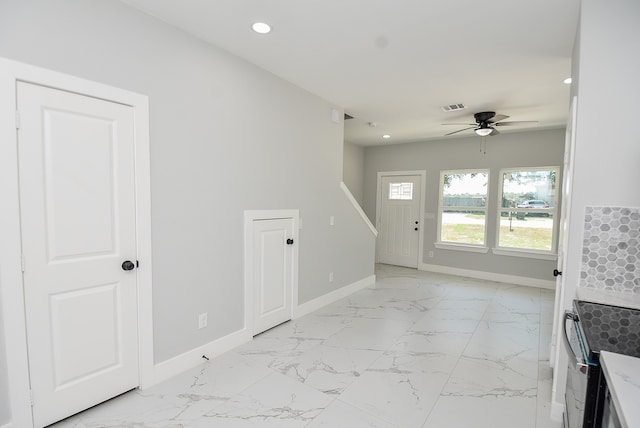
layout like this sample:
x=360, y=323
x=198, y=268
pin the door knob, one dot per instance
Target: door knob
x=416, y=221
x=415, y=228
x=556, y=272
x=289, y=241
x=128, y=265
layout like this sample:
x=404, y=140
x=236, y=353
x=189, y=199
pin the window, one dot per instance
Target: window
x=528, y=209
x=463, y=207
x=402, y=191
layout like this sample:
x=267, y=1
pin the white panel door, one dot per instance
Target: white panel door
x=272, y=272
x=398, y=236
x=76, y=160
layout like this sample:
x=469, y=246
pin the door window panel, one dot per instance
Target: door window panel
x=401, y=191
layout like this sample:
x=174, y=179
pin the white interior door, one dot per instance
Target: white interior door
x=76, y=162
x=273, y=272
x=400, y=226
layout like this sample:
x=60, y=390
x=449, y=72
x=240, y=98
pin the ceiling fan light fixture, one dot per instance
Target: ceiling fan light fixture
x=483, y=132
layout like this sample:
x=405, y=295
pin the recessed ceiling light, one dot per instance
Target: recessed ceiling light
x=386, y=136
x=567, y=81
x=261, y=27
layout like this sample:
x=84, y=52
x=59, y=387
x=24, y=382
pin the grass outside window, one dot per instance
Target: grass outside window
x=534, y=233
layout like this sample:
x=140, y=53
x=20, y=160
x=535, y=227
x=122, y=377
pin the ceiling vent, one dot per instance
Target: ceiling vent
x=453, y=107
x=347, y=117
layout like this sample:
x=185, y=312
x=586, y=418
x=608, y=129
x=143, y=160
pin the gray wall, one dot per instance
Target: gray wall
x=226, y=136
x=353, y=170
x=526, y=149
x=606, y=172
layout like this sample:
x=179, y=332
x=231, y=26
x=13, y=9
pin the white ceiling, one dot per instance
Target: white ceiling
x=397, y=62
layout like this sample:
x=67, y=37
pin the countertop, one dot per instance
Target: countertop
x=623, y=379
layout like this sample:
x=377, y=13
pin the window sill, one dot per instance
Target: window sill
x=524, y=253
x=461, y=247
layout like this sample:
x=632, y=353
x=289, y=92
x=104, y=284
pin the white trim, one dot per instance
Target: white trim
x=490, y=276
x=249, y=217
x=10, y=245
x=358, y=208
x=192, y=358
x=563, y=231
x=423, y=190
x=531, y=254
x=7, y=425
x=319, y=302
x=557, y=410
x=461, y=247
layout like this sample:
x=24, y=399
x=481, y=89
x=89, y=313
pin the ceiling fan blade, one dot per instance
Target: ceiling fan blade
x=515, y=122
x=460, y=124
x=499, y=117
x=460, y=130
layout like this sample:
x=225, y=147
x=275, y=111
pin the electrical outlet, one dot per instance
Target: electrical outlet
x=330, y=276
x=431, y=254
x=202, y=320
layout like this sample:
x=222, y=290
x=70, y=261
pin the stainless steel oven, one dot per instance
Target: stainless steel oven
x=583, y=379
x=594, y=327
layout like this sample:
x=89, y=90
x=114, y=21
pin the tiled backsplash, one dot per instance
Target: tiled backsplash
x=611, y=249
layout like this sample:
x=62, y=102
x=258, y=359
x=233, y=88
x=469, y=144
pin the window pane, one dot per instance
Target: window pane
x=529, y=198
x=529, y=189
x=465, y=189
x=401, y=191
x=463, y=227
x=520, y=231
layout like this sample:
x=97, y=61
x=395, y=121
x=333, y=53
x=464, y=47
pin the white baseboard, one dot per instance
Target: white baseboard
x=319, y=302
x=499, y=277
x=183, y=362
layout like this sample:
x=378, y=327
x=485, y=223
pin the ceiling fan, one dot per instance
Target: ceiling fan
x=486, y=121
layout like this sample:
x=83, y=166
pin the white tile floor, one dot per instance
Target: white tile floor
x=418, y=350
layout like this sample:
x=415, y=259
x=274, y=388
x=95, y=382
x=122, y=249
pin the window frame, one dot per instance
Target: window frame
x=464, y=246
x=553, y=211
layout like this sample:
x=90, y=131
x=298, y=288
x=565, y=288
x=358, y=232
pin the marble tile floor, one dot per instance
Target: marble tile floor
x=417, y=350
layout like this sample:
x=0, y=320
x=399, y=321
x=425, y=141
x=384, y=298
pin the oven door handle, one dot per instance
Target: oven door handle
x=580, y=363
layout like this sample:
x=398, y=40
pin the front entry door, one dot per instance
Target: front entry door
x=76, y=161
x=400, y=226
x=273, y=272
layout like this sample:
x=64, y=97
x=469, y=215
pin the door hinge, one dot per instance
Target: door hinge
x=22, y=262
x=17, y=119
